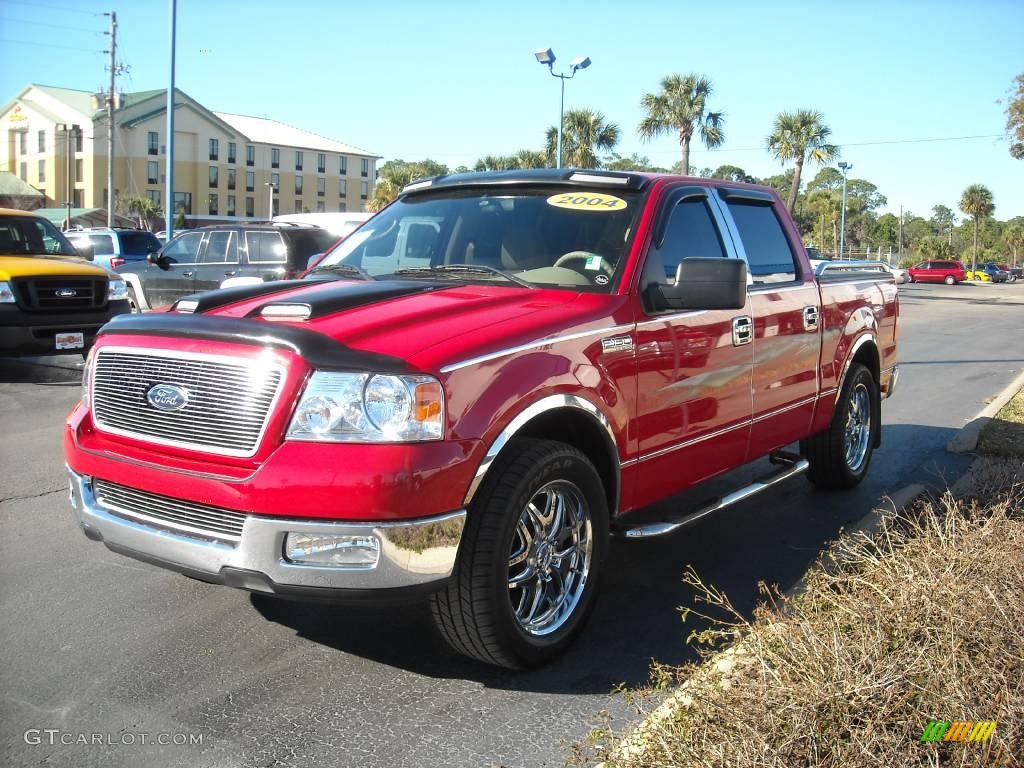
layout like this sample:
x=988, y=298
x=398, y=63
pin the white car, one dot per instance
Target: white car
x=900, y=275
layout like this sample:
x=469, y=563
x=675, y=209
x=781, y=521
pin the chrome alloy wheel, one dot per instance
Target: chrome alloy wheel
x=550, y=558
x=857, y=431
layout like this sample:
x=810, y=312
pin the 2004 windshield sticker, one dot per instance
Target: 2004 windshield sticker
x=587, y=201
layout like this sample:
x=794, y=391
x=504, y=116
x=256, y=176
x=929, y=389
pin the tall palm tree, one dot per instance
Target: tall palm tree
x=977, y=203
x=1014, y=236
x=584, y=134
x=797, y=136
x=681, y=107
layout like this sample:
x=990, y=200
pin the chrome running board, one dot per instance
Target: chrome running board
x=791, y=463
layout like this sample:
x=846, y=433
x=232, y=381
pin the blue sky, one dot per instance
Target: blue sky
x=454, y=80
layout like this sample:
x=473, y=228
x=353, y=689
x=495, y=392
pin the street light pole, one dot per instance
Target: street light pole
x=845, y=167
x=547, y=56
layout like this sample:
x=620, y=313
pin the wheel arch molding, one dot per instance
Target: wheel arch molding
x=569, y=419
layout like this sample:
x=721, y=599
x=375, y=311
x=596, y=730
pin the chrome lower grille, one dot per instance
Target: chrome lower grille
x=227, y=401
x=184, y=516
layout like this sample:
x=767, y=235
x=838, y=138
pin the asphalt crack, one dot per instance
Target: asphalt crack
x=32, y=495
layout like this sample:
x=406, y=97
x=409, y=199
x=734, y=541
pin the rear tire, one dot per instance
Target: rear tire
x=840, y=455
x=540, y=520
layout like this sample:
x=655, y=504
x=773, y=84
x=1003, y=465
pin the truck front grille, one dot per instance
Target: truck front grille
x=184, y=516
x=221, y=405
x=60, y=294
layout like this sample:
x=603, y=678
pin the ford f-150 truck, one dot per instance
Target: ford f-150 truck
x=471, y=393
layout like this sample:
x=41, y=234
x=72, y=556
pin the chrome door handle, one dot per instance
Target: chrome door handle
x=187, y=274
x=811, y=316
x=742, y=331
x=230, y=273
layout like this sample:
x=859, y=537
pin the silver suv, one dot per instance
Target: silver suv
x=113, y=247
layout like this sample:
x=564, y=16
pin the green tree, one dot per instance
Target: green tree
x=934, y=247
x=395, y=174
x=384, y=192
x=142, y=208
x=825, y=205
x=732, y=173
x=943, y=220
x=977, y=203
x=798, y=136
x=635, y=162
x=585, y=133
x=681, y=107
x=1013, y=236
x=1015, y=117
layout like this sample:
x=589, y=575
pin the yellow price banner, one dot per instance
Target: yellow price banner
x=587, y=201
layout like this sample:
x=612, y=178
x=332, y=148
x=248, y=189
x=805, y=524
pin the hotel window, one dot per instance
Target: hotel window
x=42, y=170
x=24, y=172
x=275, y=180
x=214, y=149
x=42, y=141
x=298, y=161
x=78, y=141
x=365, y=168
x=154, y=143
x=213, y=205
x=275, y=158
x=154, y=195
x=250, y=155
x=183, y=203
x=298, y=206
x=231, y=205
x=320, y=206
x=78, y=198
x=231, y=152
x=79, y=170
x=277, y=206
x=342, y=207
x=231, y=178
x=321, y=162
x=250, y=206
x=342, y=165
x=214, y=176
x=298, y=185
x=321, y=186
x=152, y=172
x=342, y=188
x=23, y=142
x=364, y=190
x=250, y=181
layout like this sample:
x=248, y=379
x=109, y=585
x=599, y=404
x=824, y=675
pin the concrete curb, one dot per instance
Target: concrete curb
x=966, y=440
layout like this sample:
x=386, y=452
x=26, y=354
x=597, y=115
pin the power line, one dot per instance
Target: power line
x=52, y=7
x=850, y=144
x=35, y=44
x=51, y=26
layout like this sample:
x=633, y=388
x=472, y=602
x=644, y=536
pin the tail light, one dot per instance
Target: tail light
x=116, y=261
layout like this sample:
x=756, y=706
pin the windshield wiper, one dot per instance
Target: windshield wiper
x=345, y=269
x=467, y=269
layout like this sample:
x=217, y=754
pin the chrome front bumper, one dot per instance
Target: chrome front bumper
x=257, y=561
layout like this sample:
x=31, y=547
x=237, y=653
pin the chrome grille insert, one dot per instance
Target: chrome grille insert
x=228, y=400
x=184, y=516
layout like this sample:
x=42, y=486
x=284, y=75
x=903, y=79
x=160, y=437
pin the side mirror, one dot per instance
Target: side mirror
x=158, y=260
x=85, y=250
x=707, y=283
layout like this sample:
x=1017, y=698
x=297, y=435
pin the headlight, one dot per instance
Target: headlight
x=6, y=294
x=369, y=408
x=117, y=290
x=86, y=375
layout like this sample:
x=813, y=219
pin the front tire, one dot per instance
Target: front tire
x=840, y=455
x=133, y=300
x=950, y=280
x=531, y=558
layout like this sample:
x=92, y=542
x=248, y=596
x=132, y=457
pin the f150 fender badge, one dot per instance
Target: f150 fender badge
x=617, y=344
x=167, y=397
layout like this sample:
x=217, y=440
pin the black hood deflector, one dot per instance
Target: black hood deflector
x=339, y=295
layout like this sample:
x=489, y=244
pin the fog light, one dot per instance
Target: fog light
x=347, y=551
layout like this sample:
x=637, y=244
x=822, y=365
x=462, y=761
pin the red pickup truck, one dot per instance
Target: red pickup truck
x=467, y=396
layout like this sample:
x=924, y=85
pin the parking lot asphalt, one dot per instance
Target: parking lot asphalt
x=93, y=643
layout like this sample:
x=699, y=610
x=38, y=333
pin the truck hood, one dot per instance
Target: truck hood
x=426, y=323
x=45, y=266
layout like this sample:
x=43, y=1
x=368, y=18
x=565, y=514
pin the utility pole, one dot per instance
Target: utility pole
x=169, y=206
x=115, y=70
x=69, y=132
x=900, y=245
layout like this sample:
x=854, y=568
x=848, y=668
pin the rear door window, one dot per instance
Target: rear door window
x=265, y=248
x=221, y=248
x=769, y=255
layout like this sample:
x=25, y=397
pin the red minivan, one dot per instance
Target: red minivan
x=948, y=272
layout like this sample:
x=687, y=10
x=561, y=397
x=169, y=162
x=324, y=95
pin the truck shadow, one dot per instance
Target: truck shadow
x=770, y=539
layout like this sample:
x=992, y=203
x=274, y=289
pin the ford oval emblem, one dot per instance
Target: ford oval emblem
x=67, y=293
x=167, y=397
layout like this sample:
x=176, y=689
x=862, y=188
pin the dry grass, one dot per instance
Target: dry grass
x=1004, y=435
x=922, y=621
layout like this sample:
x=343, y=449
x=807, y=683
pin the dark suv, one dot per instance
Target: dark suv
x=220, y=257
x=113, y=247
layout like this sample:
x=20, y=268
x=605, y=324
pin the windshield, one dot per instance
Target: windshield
x=547, y=236
x=30, y=235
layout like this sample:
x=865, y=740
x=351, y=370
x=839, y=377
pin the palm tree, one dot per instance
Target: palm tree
x=977, y=203
x=797, y=136
x=142, y=208
x=584, y=134
x=681, y=106
x=1014, y=236
x=384, y=192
